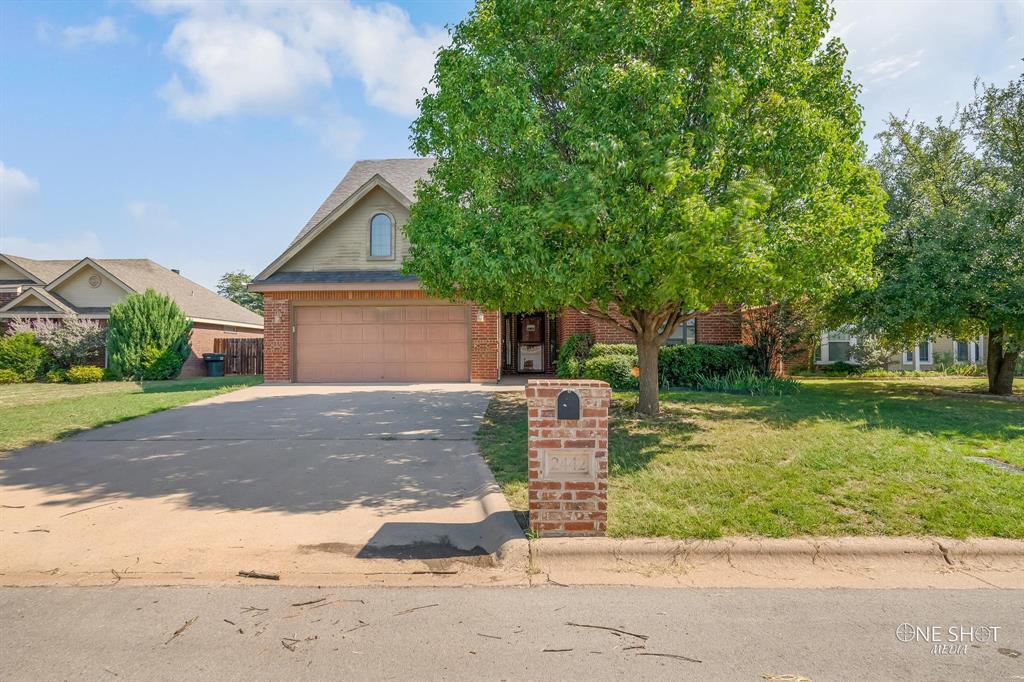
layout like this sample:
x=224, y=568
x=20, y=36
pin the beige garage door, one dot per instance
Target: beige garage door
x=382, y=343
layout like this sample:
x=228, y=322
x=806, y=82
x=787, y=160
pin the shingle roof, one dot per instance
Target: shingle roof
x=338, y=276
x=195, y=300
x=401, y=173
x=45, y=270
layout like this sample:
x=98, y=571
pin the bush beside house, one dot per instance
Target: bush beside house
x=22, y=356
x=147, y=337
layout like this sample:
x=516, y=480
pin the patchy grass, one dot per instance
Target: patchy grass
x=839, y=457
x=39, y=413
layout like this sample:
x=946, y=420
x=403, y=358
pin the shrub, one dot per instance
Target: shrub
x=57, y=376
x=747, y=381
x=617, y=370
x=85, y=374
x=158, y=365
x=602, y=349
x=683, y=365
x=70, y=341
x=841, y=369
x=9, y=376
x=571, y=356
x=141, y=322
x=21, y=354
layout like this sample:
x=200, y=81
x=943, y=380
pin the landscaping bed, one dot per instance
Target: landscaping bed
x=38, y=413
x=838, y=457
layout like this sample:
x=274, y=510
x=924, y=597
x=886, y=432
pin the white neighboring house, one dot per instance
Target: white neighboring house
x=836, y=344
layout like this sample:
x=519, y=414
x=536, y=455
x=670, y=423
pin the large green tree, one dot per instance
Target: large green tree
x=952, y=257
x=234, y=286
x=642, y=160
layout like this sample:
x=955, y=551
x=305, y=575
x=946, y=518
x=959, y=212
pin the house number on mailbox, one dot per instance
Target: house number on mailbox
x=568, y=405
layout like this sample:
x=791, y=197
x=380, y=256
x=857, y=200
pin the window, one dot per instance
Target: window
x=924, y=351
x=686, y=333
x=381, y=233
x=963, y=351
x=838, y=347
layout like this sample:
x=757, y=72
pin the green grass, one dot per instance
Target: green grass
x=39, y=413
x=838, y=457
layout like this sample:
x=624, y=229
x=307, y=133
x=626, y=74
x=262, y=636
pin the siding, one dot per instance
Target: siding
x=345, y=245
x=10, y=274
x=77, y=292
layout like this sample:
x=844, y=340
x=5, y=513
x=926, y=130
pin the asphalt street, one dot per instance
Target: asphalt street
x=267, y=632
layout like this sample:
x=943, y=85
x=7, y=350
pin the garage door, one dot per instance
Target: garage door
x=382, y=343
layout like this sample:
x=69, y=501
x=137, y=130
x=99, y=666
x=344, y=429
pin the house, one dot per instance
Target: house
x=338, y=308
x=836, y=344
x=56, y=289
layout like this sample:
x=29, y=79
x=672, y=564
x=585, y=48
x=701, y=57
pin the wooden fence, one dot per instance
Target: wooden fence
x=241, y=356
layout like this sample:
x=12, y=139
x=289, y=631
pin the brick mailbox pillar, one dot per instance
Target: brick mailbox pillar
x=568, y=456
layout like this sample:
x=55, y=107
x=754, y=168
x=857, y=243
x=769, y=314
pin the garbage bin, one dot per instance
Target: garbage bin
x=214, y=364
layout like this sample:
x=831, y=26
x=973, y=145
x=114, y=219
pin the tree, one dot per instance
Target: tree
x=952, y=257
x=641, y=161
x=234, y=287
x=144, y=330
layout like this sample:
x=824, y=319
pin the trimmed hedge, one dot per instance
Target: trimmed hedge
x=9, y=376
x=602, y=349
x=617, y=370
x=85, y=374
x=689, y=364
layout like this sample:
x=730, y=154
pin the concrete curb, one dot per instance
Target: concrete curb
x=511, y=548
x=847, y=561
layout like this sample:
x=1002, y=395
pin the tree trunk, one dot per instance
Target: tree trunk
x=647, y=345
x=1000, y=364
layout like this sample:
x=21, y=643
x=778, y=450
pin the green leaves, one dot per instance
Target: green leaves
x=144, y=328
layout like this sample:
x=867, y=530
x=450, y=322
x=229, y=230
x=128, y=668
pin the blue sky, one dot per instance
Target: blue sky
x=204, y=134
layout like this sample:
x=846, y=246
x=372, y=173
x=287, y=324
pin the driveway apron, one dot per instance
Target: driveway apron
x=291, y=479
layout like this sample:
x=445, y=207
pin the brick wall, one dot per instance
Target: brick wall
x=568, y=459
x=6, y=297
x=277, y=323
x=720, y=325
x=202, y=342
x=486, y=352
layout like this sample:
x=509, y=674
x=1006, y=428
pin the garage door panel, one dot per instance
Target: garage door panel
x=382, y=343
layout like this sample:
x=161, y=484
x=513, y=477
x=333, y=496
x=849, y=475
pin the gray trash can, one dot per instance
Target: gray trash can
x=214, y=364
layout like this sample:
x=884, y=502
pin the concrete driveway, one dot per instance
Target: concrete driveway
x=311, y=482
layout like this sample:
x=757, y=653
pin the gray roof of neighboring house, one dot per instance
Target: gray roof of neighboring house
x=195, y=300
x=401, y=173
x=45, y=270
x=338, y=277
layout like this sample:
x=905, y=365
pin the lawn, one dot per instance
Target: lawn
x=38, y=413
x=839, y=457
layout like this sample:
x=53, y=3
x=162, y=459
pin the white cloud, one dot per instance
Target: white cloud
x=103, y=31
x=71, y=247
x=15, y=185
x=268, y=57
x=920, y=58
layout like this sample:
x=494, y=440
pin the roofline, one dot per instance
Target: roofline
x=227, y=323
x=376, y=180
x=336, y=286
x=81, y=264
x=22, y=270
x=40, y=293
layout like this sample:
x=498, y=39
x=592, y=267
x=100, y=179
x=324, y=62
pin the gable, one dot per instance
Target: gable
x=33, y=301
x=90, y=288
x=345, y=244
x=9, y=274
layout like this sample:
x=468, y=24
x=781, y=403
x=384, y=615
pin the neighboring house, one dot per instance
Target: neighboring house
x=835, y=347
x=338, y=308
x=56, y=289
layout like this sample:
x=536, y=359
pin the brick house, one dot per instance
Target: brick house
x=338, y=308
x=87, y=288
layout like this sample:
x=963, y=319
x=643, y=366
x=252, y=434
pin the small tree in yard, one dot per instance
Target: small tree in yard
x=234, y=286
x=147, y=332
x=952, y=258
x=70, y=341
x=641, y=161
